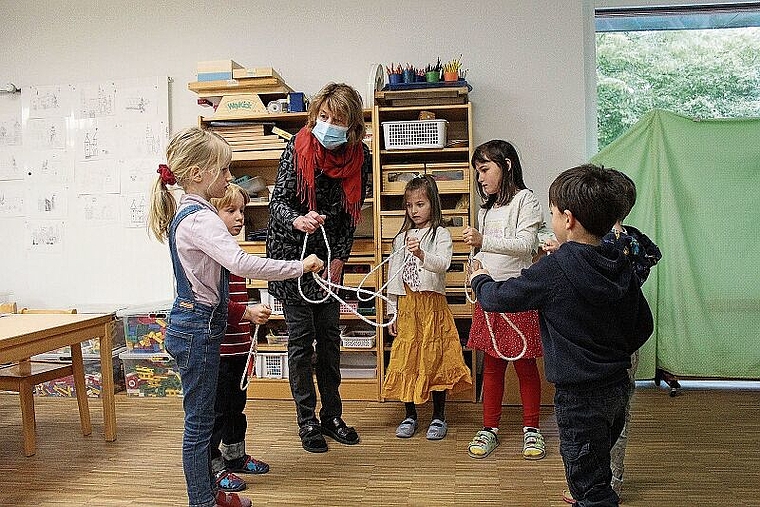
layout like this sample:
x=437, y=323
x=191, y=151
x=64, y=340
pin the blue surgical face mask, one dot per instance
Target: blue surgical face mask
x=330, y=136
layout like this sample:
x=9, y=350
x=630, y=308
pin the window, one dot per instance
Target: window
x=700, y=61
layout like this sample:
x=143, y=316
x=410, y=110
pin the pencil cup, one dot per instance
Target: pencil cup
x=433, y=76
x=450, y=76
x=409, y=76
x=394, y=78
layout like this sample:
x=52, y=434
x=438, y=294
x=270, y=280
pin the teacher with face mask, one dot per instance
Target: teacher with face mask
x=322, y=181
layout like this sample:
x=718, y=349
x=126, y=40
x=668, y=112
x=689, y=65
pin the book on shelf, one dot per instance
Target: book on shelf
x=282, y=133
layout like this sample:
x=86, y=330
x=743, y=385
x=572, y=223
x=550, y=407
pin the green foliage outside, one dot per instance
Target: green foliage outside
x=697, y=73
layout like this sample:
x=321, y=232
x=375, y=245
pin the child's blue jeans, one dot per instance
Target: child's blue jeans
x=589, y=423
x=193, y=338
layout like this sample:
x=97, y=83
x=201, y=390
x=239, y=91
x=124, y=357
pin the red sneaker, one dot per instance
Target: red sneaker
x=224, y=499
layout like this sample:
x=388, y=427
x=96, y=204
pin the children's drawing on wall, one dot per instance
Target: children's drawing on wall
x=134, y=209
x=49, y=166
x=44, y=236
x=11, y=199
x=11, y=167
x=96, y=100
x=137, y=174
x=45, y=134
x=49, y=202
x=97, y=177
x=145, y=139
x=48, y=101
x=10, y=130
x=138, y=98
x=99, y=209
x=95, y=140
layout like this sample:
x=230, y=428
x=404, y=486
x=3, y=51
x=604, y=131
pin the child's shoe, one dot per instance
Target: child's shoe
x=437, y=430
x=533, y=444
x=483, y=443
x=247, y=465
x=227, y=481
x=407, y=428
x=567, y=497
x=224, y=499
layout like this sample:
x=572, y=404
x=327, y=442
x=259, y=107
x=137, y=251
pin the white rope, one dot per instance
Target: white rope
x=488, y=321
x=250, y=362
x=328, y=286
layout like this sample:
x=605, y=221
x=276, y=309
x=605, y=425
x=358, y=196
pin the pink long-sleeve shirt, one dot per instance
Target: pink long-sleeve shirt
x=204, y=245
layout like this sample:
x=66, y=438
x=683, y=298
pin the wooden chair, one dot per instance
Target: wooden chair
x=23, y=375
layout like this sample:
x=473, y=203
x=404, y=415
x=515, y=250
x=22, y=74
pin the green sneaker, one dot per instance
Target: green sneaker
x=533, y=444
x=482, y=444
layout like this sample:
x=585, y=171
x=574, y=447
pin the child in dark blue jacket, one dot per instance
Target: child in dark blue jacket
x=593, y=316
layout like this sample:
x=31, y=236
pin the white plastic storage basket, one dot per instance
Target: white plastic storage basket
x=272, y=365
x=358, y=339
x=417, y=134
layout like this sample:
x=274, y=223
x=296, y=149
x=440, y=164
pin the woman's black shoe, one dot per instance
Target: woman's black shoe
x=312, y=439
x=336, y=429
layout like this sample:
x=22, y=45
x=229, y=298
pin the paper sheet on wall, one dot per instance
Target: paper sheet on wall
x=11, y=164
x=49, y=101
x=135, y=209
x=96, y=139
x=45, y=134
x=138, y=174
x=99, y=208
x=44, y=236
x=10, y=130
x=49, y=201
x=12, y=197
x=97, y=177
x=49, y=166
x=95, y=100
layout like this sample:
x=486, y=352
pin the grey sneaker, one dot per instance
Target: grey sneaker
x=437, y=430
x=407, y=428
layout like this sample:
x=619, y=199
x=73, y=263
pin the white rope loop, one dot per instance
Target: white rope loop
x=250, y=362
x=329, y=287
x=504, y=316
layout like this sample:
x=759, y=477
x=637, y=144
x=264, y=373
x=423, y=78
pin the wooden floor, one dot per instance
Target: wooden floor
x=700, y=448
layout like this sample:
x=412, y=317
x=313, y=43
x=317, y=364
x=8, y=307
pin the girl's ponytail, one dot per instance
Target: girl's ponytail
x=162, y=210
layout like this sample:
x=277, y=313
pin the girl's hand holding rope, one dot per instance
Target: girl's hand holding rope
x=313, y=264
x=476, y=268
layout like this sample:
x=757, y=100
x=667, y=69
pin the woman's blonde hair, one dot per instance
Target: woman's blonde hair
x=229, y=195
x=340, y=99
x=190, y=150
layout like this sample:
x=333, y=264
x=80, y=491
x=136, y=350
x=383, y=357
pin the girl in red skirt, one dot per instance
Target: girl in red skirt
x=509, y=220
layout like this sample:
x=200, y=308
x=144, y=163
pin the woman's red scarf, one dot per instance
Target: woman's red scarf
x=345, y=165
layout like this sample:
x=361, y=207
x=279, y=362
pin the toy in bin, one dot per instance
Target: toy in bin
x=145, y=333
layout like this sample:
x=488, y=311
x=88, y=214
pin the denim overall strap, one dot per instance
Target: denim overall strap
x=184, y=291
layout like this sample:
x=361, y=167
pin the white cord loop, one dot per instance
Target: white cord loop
x=328, y=286
x=250, y=362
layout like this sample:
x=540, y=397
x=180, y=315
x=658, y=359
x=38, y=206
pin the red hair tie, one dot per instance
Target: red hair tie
x=167, y=176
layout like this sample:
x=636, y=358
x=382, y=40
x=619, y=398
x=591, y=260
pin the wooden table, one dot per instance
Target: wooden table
x=24, y=335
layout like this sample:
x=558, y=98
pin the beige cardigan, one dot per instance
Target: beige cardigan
x=432, y=271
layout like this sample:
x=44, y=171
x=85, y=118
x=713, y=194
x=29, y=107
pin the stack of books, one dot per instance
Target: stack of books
x=249, y=136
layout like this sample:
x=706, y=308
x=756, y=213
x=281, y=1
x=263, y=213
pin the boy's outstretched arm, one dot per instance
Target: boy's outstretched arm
x=525, y=292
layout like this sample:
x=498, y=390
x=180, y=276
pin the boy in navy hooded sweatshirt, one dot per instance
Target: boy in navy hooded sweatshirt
x=593, y=316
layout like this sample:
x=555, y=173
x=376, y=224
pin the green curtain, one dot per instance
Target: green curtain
x=698, y=186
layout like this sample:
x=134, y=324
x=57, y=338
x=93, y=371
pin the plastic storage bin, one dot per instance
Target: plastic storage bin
x=358, y=365
x=358, y=339
x=272, y=365
x=151, y=375
x=93, y=377
x=417, y=134
x=145, y=327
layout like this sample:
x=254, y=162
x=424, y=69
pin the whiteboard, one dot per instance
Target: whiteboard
x=77, y=164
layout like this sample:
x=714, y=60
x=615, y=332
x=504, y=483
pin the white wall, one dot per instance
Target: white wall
x=526, y=64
